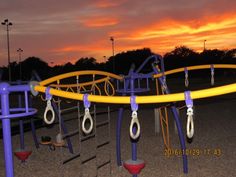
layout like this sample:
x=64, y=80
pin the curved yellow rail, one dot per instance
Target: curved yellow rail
x=143, y=99
x=222, y=66
x=79, y=73
x=80, y=84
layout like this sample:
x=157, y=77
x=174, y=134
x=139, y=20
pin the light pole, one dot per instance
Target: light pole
x=7, y=24
x=19, y=52
x=113, y=52
x=204, y=45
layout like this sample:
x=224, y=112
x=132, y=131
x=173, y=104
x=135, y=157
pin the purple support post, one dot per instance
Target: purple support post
x=179, y=126
x=133, y=142
x=6, y=127
x=118, y=135
x=21, y=122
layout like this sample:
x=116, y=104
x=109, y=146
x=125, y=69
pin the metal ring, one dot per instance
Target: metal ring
x=49, y=108
x=86, y=117
x=190, y=124
x=134, y=121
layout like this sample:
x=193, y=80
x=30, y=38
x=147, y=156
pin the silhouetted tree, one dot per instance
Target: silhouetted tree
x=34, y=63
x=86, y=63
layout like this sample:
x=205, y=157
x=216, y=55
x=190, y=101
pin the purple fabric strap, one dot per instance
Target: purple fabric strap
x=212, y=68
x=134, y=106
x=48, y=95
x=188, y=99
x=86, y=102
x=186, y=70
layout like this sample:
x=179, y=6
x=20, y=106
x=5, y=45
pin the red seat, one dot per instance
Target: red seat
x=134, y=167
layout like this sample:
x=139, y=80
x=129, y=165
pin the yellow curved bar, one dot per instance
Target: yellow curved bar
x=80, y=84
x=78, y=73
x=143, y=99
x=222, y=66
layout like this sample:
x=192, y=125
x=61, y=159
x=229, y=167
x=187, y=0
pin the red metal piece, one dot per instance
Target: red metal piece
x=22, y=155
x=134, y=167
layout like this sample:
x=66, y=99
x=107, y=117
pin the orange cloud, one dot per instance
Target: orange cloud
x=106, y=4
x=164, y=35
x=161, y=36
x=98, y=21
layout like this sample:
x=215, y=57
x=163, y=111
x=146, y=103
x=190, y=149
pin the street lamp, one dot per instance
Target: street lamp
x=204, y=45
x=19, y=52
x=113, y=52
x=7, y=24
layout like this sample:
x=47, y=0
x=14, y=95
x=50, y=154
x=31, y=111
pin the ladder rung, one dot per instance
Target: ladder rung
x=71, y=158
x=70, y=134
x=103, y=144
x=90, y=158
x=102, y=123
x=103, y=164
x=87, y=137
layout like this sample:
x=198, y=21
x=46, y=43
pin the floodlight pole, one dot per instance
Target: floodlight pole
x=113, y=51
x=7, y=23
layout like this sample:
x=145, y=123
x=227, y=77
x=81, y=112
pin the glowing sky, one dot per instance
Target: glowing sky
x=61, y=31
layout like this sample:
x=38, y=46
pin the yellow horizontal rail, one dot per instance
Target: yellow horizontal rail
x=79, y=73
x=143, y=99
x=219, y=66
x=80, y=84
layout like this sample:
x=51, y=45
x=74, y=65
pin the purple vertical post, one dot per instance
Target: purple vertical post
x=134, y=142
x=179, y=126
x=118, y=135
x=6, y=127
x=22, y=142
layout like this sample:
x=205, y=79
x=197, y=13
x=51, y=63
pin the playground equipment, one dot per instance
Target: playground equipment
x=7, y=114
x=41, y=87
x=95, y=81
x=91, y=93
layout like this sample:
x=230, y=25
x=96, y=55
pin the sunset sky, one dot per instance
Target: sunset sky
x=62, y=31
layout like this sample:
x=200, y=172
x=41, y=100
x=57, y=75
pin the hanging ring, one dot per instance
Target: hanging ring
x=134, y=121
x=86, y=117
x=49, y=109
x=190, y=124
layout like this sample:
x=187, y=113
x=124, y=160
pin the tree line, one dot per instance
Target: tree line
x=181, y=56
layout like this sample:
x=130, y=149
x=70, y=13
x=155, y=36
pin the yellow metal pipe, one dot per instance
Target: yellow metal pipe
x=80, y=84
x=79, y=73
x=222, y=66
x=143, y=99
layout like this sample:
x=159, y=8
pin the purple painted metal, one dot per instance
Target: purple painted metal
x=134, y=105
x=48, y=95
x=85, y=100
x=23, y=113
x=6, y=116
x=188, y=99
x=177, y=121
x=21, y=122
x=6, y=127
x=186, y=71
